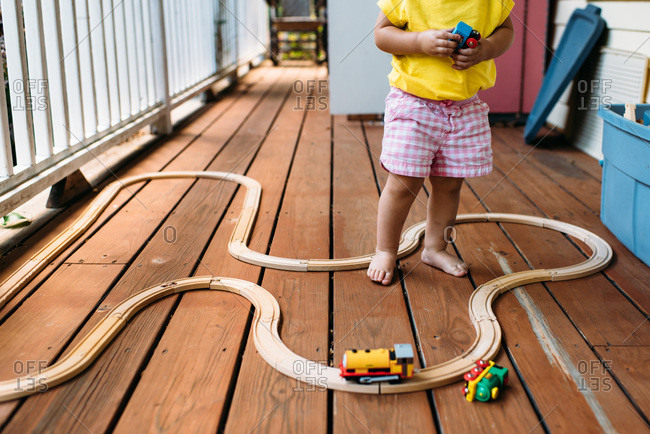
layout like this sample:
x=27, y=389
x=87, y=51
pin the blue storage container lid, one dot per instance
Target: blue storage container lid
x=578, y=40
x=626, y=144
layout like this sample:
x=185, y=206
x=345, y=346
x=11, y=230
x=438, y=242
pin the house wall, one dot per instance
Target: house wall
x=628, y=32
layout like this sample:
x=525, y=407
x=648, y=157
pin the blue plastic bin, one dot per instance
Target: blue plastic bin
x=625, y=202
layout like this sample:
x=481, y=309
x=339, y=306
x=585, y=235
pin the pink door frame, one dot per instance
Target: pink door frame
x=520, y=71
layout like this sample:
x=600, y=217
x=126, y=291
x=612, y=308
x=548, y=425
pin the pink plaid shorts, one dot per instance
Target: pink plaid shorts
x=424, y=137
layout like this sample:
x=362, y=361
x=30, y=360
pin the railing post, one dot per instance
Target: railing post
x=164, y=123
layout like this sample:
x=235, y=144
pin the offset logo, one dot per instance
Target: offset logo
x=25, y=371
x=592, y=94
x=37, y=100
x=316, y=95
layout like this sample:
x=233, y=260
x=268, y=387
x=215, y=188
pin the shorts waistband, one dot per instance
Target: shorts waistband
x=443, y=103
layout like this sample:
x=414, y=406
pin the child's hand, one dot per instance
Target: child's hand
x=468, y=57
x=437, y=42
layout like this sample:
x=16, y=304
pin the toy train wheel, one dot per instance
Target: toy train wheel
x=471, y=43
x=469, y=376
x=482, y=363
x=465, y=391
x=477, y=370
x=495, y=392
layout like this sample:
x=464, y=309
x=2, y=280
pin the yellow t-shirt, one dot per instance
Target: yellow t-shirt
x=433, y=77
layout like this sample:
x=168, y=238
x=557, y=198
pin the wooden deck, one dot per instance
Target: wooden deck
x=578, y=351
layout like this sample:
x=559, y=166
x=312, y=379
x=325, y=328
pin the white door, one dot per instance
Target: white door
x=358, y=69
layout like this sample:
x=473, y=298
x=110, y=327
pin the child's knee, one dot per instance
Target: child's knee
x=449, y=185
x=397, y=184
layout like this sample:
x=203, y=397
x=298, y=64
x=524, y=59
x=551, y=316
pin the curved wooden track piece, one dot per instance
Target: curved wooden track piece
x=267, y=311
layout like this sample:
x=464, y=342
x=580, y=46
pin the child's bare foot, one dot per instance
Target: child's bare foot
x=381, y=267
x=448, y=263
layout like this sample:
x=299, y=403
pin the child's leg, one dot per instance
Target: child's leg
x=394, y=205
x=441, y=215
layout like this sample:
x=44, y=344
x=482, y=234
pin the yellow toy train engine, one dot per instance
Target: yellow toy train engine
x=373, y=366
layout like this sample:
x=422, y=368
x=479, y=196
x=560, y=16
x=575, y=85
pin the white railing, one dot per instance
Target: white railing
x=82, y=75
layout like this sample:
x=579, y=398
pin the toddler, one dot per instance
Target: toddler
x=435, y=126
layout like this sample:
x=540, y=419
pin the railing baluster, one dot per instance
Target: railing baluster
x=194, y=24
x=189, y=48
x=163, y=125
x=134, y=77
x=183, y=52
x=146, y=25
x=140, y=53
x=111, y=60
x=70, y=58
x=84, y=48
x=58, y=101
x=38, y=81
x=207, y=36
x=12, y=17
x=122, y=59
x=6, y=159
x=85, y=74
x=155, y=68
x=211, y=41
x=174, y=40
x=171, y=45
x=100, y=68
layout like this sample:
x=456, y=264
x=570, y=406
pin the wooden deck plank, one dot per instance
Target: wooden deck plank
x=157, y=159
x=265, y=400
x=549, y=354
x=581, y=298
x=622, y=317
x=537, y=333
x=629, y=365
x=626, y=270
x=95, y=396
x=565, y=166
x=121, y=238
x=189, y=363
x=46, y=321
x=366, y=315
x=155, y=400
x=154, y=160
x=439, y=305
x=557, y=143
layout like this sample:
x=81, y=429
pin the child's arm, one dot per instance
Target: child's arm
x=394, y=40
x=488, y=48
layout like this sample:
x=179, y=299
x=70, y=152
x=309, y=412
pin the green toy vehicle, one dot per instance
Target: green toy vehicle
x=485, y=381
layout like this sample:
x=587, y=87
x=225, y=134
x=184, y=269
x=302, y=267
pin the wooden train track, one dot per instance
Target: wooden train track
x=267, y=311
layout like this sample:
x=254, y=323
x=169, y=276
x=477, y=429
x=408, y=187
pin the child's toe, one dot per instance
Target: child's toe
x=460, y=270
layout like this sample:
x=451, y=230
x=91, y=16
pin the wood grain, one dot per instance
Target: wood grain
x=438, y=304
x=265, y=400
x=628, y=364
x=366, y=314
x=158, y=261
x=612, y=325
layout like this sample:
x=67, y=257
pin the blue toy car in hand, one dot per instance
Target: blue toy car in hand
x=469, y=35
